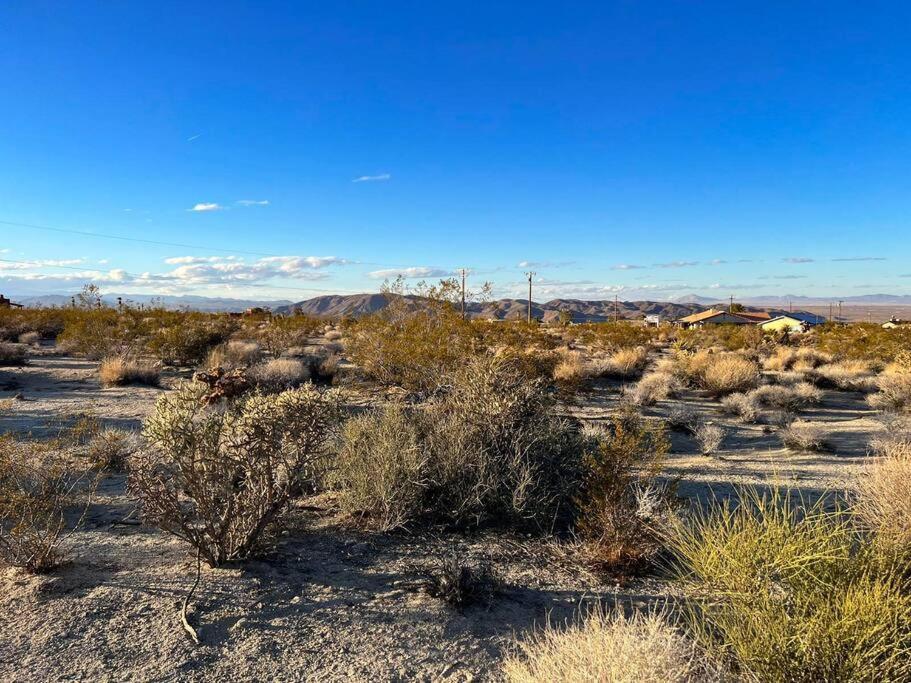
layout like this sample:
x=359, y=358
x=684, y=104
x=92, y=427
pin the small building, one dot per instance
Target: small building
x=715, y=317
x=653, y=320
x=6, y=303
x=894, y=322
x=791, y=322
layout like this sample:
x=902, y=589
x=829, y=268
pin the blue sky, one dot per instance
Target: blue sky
x=643, y=149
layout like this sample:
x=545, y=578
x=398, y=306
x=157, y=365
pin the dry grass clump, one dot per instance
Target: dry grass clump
x=625, y=363
x=13, y=355
x=332, y=335
x=221, y=478
x=110, y=448
x=486, y=450
x=846, y=375
x=786, y=592
x=804, y=436
x=120, y=371
x=653, y=387
x=709, y=436
x=30, y=338
x=883, y=492
x=744, y=406
x=729, y=373
x=894, y=392
x=278, y=374
x=621, y=503
x=570, y=369
x=609, y=647
x=234, y=354
x=782, y=359
x=37, y=489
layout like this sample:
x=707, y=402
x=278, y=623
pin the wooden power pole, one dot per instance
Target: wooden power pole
x=463, y=294
x=529, y=275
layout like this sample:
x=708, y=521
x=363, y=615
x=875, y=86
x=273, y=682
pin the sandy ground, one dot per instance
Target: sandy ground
x=330, y=603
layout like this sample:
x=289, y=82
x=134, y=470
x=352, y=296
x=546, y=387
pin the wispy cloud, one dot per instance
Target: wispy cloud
x=206, y=206
x=862, y=258
x=253, y=202
x=372, y=178
x=626, y=266
x=678, y=264
x=194, y=137
x=544, y=264
x=782, y=277
x=717, y=262
x=797, y=259
x=409, y=273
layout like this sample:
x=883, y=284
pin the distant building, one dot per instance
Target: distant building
x=653, y=320
x=716, y=317
x=6, y=303
x=791, y=322
x=894, y=322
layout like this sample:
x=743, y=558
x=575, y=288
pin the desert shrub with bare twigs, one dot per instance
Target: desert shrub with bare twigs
x=221, y=478
x=883, y=491
x=487, y=450
x=40, y=498
x=729, y=373
x=625, y=363
x=743, y=405
x=709, y=436
x=653, y=387
x=278, y=374
x=893, y=392
x=621, y=501
x=110, y=448
x=233, y=354
x=846, y=375
x=805, y=436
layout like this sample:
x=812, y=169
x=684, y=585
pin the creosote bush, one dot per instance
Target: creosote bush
x=709, y=437
x=621, y=502
x=233, y=354
x=744, y=406
x=894, y=392
x=625, y=363
x=610, y=647
x=653, y=387
x=487, y=450
x=805, y=436
x=883, y=491
x=278, y=374
x=37, y=490
x=110, y=448
x=221, y=477
x=789, y=592
x=729, y=373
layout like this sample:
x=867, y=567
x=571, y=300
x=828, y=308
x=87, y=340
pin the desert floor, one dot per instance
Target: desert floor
x=332, y=603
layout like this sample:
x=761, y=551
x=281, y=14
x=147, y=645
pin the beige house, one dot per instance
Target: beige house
x=790, y=322
x=716, y=317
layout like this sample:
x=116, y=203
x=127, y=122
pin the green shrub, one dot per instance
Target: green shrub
x=487, y=450
x=785, y=593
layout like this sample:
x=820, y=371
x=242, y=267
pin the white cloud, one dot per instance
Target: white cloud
x=413, y=272
x=203, y=206
x=677, y=264
x=544, y=264
x=372, y=178
x=797, y=259
x=862, y=258
x=626, y=266
x=253, y=202
x=194, y=137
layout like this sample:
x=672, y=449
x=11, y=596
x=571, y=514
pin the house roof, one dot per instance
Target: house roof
x=699, y=317
x=754, y=315
x=807, y=318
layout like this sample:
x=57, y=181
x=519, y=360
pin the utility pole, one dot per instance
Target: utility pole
x=529, y=275
x=616, y=308
x=830, y=311
x=790, y=306
x=731, y=306
x=463, y=294
x=840, y=302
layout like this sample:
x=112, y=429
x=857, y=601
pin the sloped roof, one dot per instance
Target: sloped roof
x=802, y=317
x=703, y=315
x=754, y=315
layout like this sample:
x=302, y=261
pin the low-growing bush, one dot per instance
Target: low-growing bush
x=278, y=374
x=729, y=373
x=187, y=341
x=488, y=449
x=625, y=363
x=805, y=436
x=653, y=387
x=37, y=490
x=894, y=392
x=609, y=647
x=851, y=375
x=120, y=371
x=709, y=437
x=111, y=448
x=683, y=419
x=30, y=338
x=789, y=398
x=234, y=354
x=569, y=370
x=221, y=478
x=744, y=406
x=787, y=592
x=13, y=355
x=460, y=584
x=883, y=491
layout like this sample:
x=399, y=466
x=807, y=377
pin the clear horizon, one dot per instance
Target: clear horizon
x=284, y=152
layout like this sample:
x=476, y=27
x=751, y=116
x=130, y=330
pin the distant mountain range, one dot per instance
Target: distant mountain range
x=503, y=309
x=188, y=302
x=797, y=300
